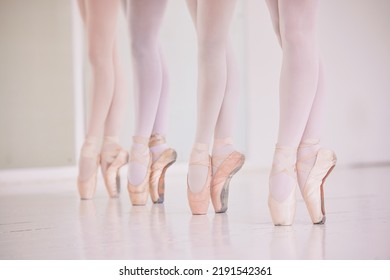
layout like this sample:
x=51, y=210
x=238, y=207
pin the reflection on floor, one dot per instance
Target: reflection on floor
x=48, y=221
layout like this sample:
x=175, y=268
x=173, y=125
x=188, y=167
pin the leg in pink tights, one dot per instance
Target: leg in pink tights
x=161, y=120
x=212, y=21
x=300, y=66
x=145, y=19
x=101, y=20
x=301, y=102
x=162, y=155
x=118, y=104
x=310, y=143
x=223, y=143
x=111, y=147
x=314, y=125
x=108, y=86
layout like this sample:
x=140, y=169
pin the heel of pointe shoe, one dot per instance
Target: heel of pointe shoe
x=313, y=191
x=159, y=167
x=157, y=175
x=221, y=180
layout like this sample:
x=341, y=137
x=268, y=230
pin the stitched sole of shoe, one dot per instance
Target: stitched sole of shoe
x=161, y=182
x=323, y=196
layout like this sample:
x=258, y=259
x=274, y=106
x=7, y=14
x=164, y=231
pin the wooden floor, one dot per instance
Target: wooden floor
x=48, y=221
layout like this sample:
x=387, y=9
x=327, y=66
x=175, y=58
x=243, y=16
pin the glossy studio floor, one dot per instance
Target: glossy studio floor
x=46, y=220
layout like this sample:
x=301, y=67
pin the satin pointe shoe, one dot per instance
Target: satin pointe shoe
x=158, y=169
x=199, y=201
x=86, y=183
x=139, y=193
x=313, y=190
x=112, y=160
x=220, y=181
x=283, y=211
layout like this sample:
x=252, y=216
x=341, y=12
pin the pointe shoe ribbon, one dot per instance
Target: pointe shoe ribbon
x=227, y=167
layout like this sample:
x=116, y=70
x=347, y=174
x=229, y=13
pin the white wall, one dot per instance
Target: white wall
x=355, y=43
x=36, y=93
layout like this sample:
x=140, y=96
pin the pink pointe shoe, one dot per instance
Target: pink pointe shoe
x=283, y=212
x=199, y=201
x=86, y=184
x=221, y=179
x=158, y=169
x=313, y=190
x=111, y=162
x=139, y=193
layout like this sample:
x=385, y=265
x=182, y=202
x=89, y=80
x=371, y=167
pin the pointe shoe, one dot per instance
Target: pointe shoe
x=158, y=169
x=111, y=162
x=283, y=212
x=313, y=190
x=87, y=186
x=221, y=179
x=199, y=201
x=139, y=193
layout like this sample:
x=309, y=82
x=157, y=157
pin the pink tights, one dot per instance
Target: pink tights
x=217, y=84
x=301, y=87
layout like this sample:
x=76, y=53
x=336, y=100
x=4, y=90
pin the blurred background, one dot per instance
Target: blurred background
x=44, y=83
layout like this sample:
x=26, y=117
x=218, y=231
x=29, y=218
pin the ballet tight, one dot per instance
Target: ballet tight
x=217, y=84
x=109, y=87
x=150, y=82
x=301, y=88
